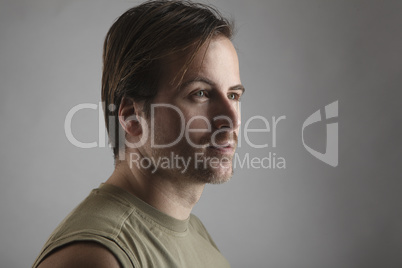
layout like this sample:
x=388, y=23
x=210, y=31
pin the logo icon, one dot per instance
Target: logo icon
x=330, y=156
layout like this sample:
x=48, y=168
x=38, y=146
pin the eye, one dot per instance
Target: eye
x=233, y=96
x=200, y=94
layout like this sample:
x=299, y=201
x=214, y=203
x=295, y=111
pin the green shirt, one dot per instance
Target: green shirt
x=136, y=233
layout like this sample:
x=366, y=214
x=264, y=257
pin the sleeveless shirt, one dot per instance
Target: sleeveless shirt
x=136, y=233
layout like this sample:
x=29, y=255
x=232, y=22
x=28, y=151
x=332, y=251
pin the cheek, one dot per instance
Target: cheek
x=198, y=123
x=171, y=123
x=198, y=128
x=168, y=123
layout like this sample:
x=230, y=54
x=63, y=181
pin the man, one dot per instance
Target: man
x=171, y=89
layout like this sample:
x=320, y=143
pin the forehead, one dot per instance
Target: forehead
x=216, y=60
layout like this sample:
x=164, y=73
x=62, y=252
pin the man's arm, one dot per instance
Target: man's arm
x=81, y=255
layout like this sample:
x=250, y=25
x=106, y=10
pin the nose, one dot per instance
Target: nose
x=226, y=114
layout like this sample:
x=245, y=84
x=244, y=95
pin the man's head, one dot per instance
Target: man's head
x=140, y=42
x=194, y=124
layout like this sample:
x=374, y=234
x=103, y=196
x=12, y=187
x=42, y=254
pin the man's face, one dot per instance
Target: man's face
x=198, y=119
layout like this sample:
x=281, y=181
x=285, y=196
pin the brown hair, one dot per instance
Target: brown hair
x=140, y=39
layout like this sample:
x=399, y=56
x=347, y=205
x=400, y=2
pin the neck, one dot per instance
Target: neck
x=171, y=196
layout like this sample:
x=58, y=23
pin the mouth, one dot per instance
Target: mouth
x=224, y=148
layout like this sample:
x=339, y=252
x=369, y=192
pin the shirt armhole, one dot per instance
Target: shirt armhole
x=121, y=254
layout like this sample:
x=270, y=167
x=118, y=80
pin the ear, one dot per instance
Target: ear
x=129, y=111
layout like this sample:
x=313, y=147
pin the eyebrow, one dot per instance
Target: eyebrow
x=209, y=82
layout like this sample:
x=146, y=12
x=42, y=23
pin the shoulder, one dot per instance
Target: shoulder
x=101, y=213
x=82, y=254
x=90, y=236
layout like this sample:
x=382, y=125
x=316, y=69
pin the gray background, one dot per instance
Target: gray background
x=295, y=57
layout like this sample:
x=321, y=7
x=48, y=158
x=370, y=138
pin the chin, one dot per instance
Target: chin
x=214, y=172
x=219, y=180
x=214, y=176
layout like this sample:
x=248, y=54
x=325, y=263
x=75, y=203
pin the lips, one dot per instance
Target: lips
x=223, y=147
